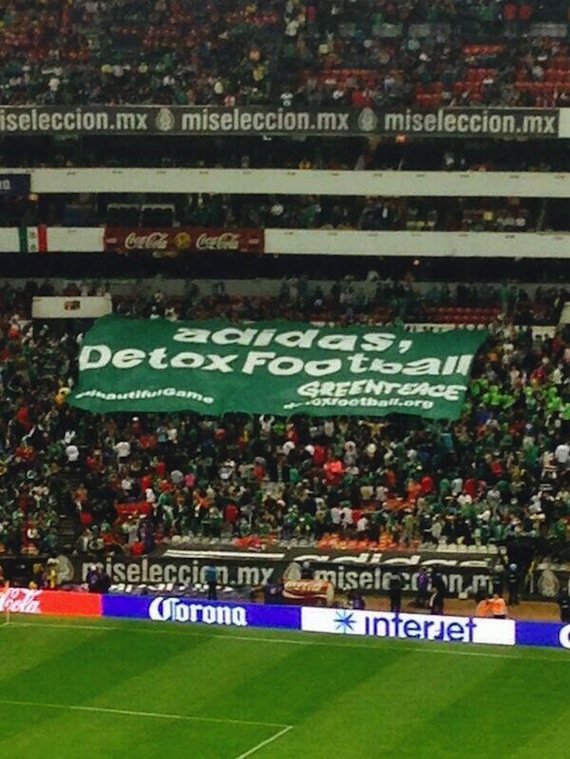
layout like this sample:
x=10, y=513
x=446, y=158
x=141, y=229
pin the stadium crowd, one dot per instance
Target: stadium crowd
x=132, y=482
x=308, y=53
x=289, y=212
x=263, y=152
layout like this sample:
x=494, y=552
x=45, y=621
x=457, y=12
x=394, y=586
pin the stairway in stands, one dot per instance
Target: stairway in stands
x=69, y=525
x=68, y=530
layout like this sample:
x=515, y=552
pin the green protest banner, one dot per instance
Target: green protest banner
x=282, y=368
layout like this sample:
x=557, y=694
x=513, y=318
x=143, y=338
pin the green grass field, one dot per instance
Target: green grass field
x=106, y=690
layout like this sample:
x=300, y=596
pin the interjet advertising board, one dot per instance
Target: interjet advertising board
x=196, y=611
x=409, y=626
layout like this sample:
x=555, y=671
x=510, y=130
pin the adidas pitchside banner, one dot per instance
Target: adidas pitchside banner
x=272, y=367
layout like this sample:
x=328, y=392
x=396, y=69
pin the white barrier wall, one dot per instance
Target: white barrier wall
x=289, y=182
x=438, y=244
x=322, y=242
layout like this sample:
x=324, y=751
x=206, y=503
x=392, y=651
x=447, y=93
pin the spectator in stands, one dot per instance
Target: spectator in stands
x=278, y=53
x=98, y=581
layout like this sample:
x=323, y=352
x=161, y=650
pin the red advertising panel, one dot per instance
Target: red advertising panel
x=308, y=592
x=177, y=240
x=56, y=602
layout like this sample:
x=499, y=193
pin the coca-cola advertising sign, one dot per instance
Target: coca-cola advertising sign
x=179, y=240
x=20, y=600
x=57, y=602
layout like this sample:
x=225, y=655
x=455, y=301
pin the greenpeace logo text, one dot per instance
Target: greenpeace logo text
x=177, y=610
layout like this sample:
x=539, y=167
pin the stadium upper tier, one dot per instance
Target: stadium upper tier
x=301, y=52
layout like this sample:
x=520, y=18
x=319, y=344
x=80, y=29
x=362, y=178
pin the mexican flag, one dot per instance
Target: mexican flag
x=33, y=239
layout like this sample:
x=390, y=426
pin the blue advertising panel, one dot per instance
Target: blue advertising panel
x=547, y=634
x=15, y=184
x=199, y=611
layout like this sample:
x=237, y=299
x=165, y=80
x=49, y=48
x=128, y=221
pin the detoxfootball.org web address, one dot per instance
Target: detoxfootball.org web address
x=423, y=404
x=364, y=402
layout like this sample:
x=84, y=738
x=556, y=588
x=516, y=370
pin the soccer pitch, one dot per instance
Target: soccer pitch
x=114, y=690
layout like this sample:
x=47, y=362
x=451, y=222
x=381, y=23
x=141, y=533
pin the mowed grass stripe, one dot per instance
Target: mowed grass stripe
x=27, y=653
x=91, y=666
x=101, y=736
x=22, y=652
x=298, y=684
x=382, y=714
x=120, y=669
x=502, y=713
x=197, y=680
x=550, y=738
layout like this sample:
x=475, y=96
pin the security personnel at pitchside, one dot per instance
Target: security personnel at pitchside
x=513, y=584
x=498, y=607
x=564, y=606
x=494, y=606
x=485, y=607
x=395, y=592
x=212, y=582
x=438, y=592
x=307, y=571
